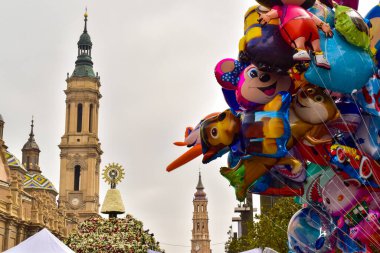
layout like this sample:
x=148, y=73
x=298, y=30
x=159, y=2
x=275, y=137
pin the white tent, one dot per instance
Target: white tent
x=43, y=241
x=258, y=250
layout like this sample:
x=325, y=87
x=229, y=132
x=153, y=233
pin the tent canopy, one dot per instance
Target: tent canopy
x=43, y=241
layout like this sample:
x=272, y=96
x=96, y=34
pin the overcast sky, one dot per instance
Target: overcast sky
x=155, y=59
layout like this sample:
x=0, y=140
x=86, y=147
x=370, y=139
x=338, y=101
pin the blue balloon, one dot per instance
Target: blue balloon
x=351, y=66
x=311, y=230
x=368, y=136
x=369, y=97
x=323, y=12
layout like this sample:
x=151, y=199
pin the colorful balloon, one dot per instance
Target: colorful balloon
x=192, y=141
x=263, y=45
x=352, y=26
x=274, y=183
x=254, y=88
x=368, y=136
x=346, y=62
x=353, y=166
x=317, y=177
x=352, y=205
x=311, y=230
x=299, y=28
x=374, y=18
x=311, y=109
x=369, y=97
x=349, y=120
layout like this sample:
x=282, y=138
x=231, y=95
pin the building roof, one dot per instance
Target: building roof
x=200, y=194
x=31, y=144
x=83, y=64
x=13, y=162
x=38, y=181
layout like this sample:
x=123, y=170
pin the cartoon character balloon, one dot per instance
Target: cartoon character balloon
x=352, y=205
x=193, y=142
x=298, y=27
x=253, y=88
x=263, y=45
x=346, y=62
x=352, y=26
x=374, y=17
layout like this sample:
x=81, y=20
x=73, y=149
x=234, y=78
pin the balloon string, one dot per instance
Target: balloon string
x=344, y=211
x=369, y=192
x=344, y=121
x=331, y=222
x=358, y=146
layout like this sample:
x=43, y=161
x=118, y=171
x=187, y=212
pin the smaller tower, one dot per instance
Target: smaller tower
x=200, y=243
x=113, y=203
x=31, y=153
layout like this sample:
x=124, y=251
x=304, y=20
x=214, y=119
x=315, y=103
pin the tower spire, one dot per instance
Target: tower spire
x=85, y=21
x=31, y=135
x=200, y=194
x=31, y=151
x=200, y=185
x=83, y=64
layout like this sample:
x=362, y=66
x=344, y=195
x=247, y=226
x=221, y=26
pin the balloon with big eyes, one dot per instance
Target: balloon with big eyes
x=253, y=88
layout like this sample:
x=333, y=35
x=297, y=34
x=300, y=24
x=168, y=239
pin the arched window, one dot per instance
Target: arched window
x=68, y=118
x=203, y=208
x=198, y=226
x=90, y=118
x=76, y=177
x=79, y=118
x=197, y=208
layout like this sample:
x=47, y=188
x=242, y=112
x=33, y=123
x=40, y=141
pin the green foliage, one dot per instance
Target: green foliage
x=270, y=230
x=111, y=236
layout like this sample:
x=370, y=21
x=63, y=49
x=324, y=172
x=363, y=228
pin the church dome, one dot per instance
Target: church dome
x=85, y=40
x=13, y=162
x=30, y=144
x=38, y=181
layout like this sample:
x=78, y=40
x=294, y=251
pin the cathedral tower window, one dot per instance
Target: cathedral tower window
x=79, y=118
x=76, y=177
x=90, y=118
x=68, y=118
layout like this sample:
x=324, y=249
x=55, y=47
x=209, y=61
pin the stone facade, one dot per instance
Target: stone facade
x=27, y=200
x=200, y=242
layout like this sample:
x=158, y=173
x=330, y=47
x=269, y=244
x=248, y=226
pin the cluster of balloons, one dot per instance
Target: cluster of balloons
x=303, y=119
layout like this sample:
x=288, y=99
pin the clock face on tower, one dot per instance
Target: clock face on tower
x=197, y=247
x=75, y=202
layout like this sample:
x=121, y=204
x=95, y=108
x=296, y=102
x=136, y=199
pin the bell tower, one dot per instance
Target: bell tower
x=200, y=243
x=80, y=146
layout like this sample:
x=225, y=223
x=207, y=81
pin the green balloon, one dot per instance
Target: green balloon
x=352, y=26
